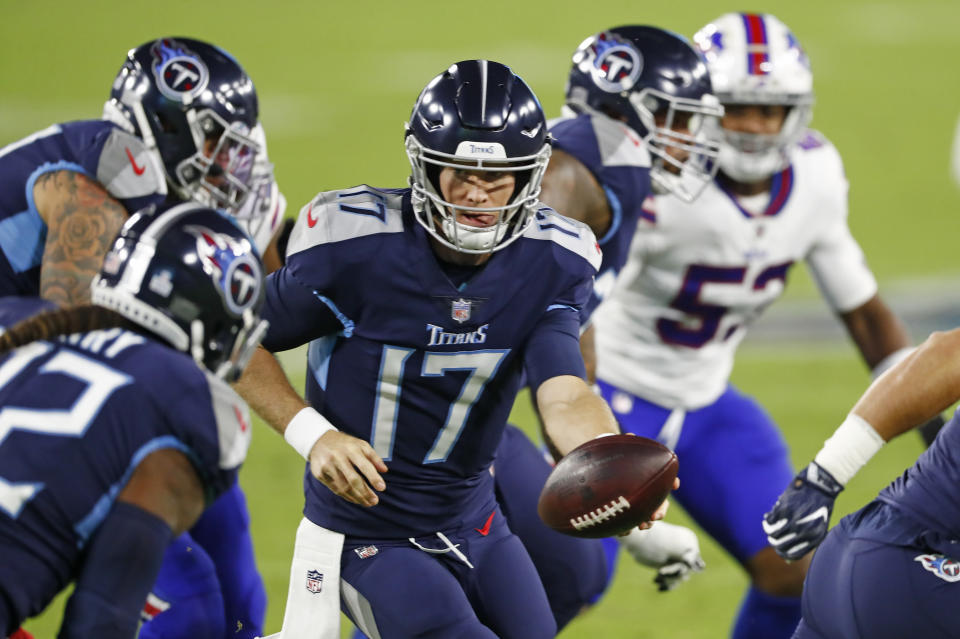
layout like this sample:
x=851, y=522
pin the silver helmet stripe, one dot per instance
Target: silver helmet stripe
x=483, y=90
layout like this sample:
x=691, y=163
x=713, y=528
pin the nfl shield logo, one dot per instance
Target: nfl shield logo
x=314, y=581
x=460, y=310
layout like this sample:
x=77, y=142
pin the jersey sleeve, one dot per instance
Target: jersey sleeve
x=554, y=347
x=211, y=422
x=835, y=260
x=127, y=169
x=299, y=304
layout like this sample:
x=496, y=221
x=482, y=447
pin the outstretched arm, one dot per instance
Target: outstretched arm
x=572, y=413
x=915, y=390
x=883, y=341
x=82, y=221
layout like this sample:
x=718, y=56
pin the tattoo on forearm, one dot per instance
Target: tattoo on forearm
x=82, y=220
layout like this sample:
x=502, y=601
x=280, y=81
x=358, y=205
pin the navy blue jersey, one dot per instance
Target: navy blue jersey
x=926, y=492
x=78, y=414
x=424, y=370
x=620, y=162
x=98, y=149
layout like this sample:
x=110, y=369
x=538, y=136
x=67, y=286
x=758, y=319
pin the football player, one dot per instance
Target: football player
x=423, y=307
x=181, y=123
x=132, y=390
x=197, y=110
x=699, y=273
x=891, y=569
x=637, y=101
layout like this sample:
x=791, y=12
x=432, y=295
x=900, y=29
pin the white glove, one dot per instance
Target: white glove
x=673, y=550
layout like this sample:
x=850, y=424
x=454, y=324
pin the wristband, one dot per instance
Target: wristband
x=891, y=360
x=849, y=448
x=305, y=429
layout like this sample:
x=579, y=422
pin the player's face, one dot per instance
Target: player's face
x=680, y=125
x=474, y=188
x=763, y=119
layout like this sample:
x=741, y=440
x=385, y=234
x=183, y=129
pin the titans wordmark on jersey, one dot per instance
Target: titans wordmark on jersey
x=700, y=273
x=78, y=414
x=424, y=369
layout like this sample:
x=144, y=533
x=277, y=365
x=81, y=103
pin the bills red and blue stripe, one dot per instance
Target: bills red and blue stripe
x=757, y=51
x=781, y=187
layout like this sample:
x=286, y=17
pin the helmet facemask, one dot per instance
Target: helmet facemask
x=679, y=126
x=439, y=216
x=220, y=174
x=753, y=157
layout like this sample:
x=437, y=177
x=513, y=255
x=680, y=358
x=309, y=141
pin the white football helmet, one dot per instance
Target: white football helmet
x=261, y=214
x=755, y=59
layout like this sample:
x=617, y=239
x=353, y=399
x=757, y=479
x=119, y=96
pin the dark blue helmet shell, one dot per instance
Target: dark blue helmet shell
x=479, y=101
x=611, y=65
x=175, y=93
x=657, y=83
x=191, y=276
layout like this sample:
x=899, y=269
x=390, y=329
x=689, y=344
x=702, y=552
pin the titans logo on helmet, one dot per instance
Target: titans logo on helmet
x=613, y=63
x=179, y=72
x=234, y=269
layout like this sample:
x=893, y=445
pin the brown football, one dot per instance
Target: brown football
x=607, y=486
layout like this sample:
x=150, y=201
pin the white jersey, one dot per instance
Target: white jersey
x=700, y=273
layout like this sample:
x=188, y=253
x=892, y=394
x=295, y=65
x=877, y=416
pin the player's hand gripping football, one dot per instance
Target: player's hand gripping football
x=798, y=522
x=672, y=550
x=348, y=466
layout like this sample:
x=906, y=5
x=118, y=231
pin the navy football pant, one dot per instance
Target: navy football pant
x=209, y=578
x=865, y=589
x=399, y=591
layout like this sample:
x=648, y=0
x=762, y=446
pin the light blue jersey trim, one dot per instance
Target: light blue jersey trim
x=23, y=235
x=566, y=306
x=616, y=209
x=22, y=240
x=318, y=358
x=89, y=524
x=347, y=323
x=49, y=167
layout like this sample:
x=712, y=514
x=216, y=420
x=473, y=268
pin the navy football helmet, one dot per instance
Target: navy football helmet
x=194, y=105
x=657, y=83
x=476, y=115
x=191, y=276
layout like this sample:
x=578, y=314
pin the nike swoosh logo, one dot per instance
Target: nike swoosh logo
x=311, y=221
x=486, y=527
x=243, y=423
x=136, y=169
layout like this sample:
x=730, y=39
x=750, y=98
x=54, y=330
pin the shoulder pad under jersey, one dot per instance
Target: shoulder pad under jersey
x=233, y=422
x=127, y=169
x=335, y=216
x=571, y=234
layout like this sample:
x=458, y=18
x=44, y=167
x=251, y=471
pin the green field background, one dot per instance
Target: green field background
x=337, y=81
